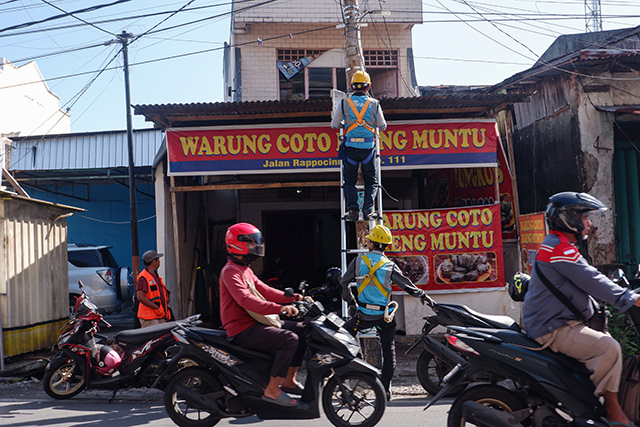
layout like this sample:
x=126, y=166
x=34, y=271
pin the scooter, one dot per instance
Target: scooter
x=438, y=359
x=84, y=360
x=535, y=387
x=230, y=380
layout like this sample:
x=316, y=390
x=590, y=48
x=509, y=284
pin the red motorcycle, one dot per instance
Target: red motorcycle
x=136, y=358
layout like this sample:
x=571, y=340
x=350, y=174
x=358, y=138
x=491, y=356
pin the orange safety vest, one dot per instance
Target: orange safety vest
x=359, y=116
x=154, y=290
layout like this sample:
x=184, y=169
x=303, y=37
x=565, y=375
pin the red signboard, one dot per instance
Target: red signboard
x=449, y=249
x=475, y=186
x=533, y=230
x=232, y=150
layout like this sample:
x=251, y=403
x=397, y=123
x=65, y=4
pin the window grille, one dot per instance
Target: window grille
x=381, y=58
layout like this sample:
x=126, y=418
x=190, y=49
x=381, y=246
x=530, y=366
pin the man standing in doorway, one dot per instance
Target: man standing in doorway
x=151, y=292
x=361, y=115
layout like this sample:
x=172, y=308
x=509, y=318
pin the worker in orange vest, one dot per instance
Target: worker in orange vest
x=360, y=115
x=151, y=292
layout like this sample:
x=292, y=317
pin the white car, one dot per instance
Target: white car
x=107, y=284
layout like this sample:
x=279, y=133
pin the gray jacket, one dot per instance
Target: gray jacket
x=564, y=267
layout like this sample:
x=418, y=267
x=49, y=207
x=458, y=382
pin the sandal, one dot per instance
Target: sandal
x=283, y=400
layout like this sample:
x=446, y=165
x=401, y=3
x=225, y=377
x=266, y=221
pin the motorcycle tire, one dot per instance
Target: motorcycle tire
x=187, y=414
x=490, y=395
x=63, y=379
x=431, y=371
x=354, y=399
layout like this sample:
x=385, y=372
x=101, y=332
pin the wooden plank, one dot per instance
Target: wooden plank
x=255, y=186
x=176, y=252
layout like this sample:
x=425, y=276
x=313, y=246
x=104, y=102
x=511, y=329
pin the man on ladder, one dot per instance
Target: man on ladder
x=362, y=117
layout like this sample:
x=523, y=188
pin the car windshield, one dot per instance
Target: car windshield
x=92, y=258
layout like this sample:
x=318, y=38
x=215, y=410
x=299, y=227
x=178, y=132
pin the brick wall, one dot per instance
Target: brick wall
x=407, y=11
x=259, y=72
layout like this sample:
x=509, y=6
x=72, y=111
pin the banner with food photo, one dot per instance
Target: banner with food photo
x=448, y=250
x=533, y=230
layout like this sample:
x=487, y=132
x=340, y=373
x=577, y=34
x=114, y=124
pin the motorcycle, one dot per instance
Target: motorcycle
x=84, y=360
x=230, y=380
x=329, y=293
x=533, y=386
x=437, y=359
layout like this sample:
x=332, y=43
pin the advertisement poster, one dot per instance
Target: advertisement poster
x=282, y=149
x=473, y=187
x=533, y=230
x=450, y=249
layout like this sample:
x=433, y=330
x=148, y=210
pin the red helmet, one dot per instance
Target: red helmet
x=244, y=239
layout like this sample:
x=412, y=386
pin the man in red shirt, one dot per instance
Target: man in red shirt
x=151, y=292
x=242, y=292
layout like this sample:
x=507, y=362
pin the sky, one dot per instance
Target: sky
x=177, y=60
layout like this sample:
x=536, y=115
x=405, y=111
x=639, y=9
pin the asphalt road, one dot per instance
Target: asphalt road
x=85, y=410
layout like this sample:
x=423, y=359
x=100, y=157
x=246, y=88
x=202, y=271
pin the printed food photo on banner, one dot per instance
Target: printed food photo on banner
x=453, y=268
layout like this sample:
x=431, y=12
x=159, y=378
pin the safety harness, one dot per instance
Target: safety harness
x=391, y=306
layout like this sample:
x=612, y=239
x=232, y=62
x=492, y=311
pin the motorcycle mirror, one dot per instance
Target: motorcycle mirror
x=617, y=275
x=80, y=285
x=303, y=286
x=289, y=293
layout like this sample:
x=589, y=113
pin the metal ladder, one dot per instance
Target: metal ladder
x=345, y=251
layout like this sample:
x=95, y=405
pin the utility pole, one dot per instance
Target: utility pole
x=353, y=46
x=123, y=38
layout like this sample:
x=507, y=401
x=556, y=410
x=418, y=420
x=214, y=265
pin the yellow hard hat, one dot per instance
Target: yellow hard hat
x=361, y=78
x=380, y=234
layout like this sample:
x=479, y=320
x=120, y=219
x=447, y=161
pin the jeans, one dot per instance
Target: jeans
x=369, y=176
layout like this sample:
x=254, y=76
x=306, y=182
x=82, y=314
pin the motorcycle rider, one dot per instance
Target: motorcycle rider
x=551, y=323
x=244, y=245
x=361, y=115
x=374, y=274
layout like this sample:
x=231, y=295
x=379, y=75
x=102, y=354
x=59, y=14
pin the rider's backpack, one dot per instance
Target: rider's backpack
x=629, y=394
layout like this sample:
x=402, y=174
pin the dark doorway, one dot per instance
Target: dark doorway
x=300, y=246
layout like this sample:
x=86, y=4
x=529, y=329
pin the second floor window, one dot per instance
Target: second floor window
x=312, y=82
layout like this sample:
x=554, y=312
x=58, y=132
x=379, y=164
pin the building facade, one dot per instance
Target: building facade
x=580, y=131
x=267, y=40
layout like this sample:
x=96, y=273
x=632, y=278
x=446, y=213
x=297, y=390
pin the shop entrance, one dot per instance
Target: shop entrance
x=300, y=245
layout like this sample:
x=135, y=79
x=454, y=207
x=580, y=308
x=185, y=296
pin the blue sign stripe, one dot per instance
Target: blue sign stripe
x=326, y=164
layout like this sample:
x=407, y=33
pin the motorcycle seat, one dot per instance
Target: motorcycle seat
x=497, y=321
x=219, y=337
x=139, y=336
x=522, y=340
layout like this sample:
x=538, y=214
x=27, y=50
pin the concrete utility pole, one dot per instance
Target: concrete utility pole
x=353, y=47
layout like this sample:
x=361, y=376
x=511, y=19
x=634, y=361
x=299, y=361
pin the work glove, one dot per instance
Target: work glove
x=426, y=299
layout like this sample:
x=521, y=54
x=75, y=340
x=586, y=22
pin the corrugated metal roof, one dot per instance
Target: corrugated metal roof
x=623, y=45
x=100, y=150
x=468, y=104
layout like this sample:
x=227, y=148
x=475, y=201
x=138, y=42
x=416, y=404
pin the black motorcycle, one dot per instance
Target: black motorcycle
x=530, y=386
x=230, y=380
x=329, y=294
x=137, y=357
x=438, y=359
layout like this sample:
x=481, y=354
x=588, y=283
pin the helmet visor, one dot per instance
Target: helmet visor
x=255, y=243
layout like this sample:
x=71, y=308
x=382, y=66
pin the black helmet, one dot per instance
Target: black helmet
x=565, y=210
x=334, y=274
x=518, y=286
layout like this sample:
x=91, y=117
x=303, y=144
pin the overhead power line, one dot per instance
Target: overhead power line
x=65, y=14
